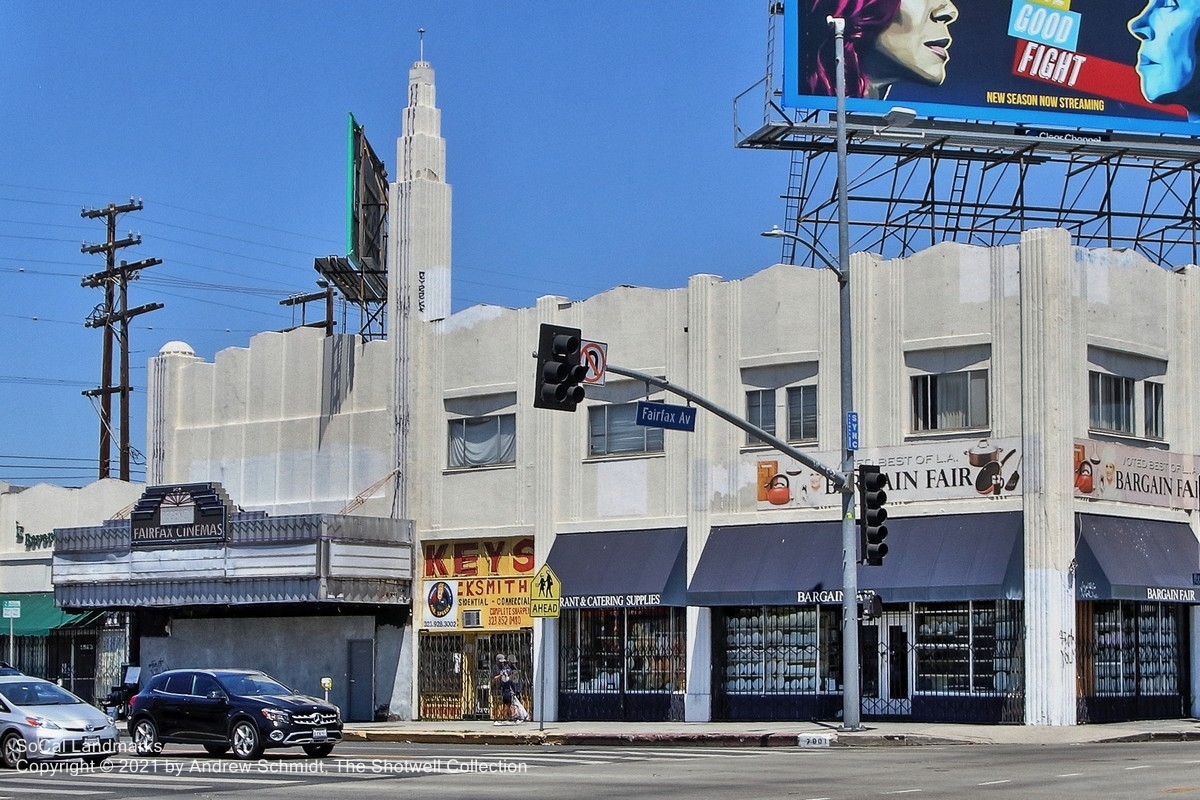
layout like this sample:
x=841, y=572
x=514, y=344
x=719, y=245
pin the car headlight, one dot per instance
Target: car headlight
x=42, y=722
x=276, y=715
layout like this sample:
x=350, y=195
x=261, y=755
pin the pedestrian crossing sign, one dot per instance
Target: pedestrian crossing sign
x=545, y=591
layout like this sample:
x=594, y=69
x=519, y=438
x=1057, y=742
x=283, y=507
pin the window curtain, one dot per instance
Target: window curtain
x=614, y=429
x=483, y=440
x=952, y=397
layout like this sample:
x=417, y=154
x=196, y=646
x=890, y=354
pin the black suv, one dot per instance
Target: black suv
x=221, y=709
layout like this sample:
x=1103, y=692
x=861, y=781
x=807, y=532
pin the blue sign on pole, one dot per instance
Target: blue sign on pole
x=664, y=415
x=852, y=430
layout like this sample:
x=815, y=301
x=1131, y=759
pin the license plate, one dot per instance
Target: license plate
x=91, y=742
x=319, y=734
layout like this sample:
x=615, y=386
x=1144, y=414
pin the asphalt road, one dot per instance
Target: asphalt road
x=366, y=770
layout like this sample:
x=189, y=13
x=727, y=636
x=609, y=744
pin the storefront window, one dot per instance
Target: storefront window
x=611, y=650
x=967, y=647
x=1130, y=649
x=780, y=650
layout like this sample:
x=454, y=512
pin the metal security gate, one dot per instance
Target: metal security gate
x=454, y=673
x=887, y=656
x=929, y=662
x=1132, y=661
x=71, y=657
x=622, y=664
x=28, y=653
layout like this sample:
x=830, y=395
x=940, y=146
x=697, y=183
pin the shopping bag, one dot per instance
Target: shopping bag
x=519, y=712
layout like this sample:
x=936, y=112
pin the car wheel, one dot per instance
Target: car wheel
x=217, y=749
x=318, y=750
x=246, y=740
x=145, y=738
x=13, y=750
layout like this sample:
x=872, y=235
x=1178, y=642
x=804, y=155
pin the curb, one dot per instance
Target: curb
x=1168, y=736
x=536, y=738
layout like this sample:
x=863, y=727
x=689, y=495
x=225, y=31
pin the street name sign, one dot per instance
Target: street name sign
x=665, y=415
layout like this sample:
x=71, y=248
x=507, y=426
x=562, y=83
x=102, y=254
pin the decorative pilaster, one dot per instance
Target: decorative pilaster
x=701, y=338
x=1048, y=399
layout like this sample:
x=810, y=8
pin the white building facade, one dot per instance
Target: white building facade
x=1030, y=404
x=1028, y=580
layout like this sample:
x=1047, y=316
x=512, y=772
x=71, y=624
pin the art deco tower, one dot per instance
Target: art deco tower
x=419, y=235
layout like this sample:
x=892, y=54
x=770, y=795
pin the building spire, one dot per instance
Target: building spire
x=419, y=220
x=421, y=44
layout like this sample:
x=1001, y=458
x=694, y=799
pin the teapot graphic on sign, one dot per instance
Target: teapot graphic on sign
x=1083, y=478
x=779, y=491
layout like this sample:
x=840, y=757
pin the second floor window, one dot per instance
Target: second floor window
x=613, y=430
x=950, y=401
x=482, y=441
x=760, y=411
x=1154, y=411
x=802, y=413
x=1110, y=403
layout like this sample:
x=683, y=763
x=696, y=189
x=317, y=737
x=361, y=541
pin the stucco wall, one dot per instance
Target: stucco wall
x=39, y=510
x=297, y=651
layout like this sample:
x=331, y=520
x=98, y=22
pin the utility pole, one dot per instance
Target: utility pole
x=303, y=300
x=113, y=315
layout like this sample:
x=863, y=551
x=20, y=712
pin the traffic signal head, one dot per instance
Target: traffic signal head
x=872, y=514
x=559, y=371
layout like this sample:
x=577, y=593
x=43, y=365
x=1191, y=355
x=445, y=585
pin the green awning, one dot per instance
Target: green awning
x=38, y=614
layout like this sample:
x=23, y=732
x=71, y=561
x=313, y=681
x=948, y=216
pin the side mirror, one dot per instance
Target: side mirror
x=217, y=694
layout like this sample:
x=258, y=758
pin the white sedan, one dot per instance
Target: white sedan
x=40, y=720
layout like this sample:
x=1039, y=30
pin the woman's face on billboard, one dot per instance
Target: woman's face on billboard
x=1166, y=60
x=915, y=46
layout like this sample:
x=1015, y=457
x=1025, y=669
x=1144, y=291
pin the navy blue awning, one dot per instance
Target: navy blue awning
x=943, y=558
x=765, y=565
x=1136, y=559
x=950, y=557
x=621, y=568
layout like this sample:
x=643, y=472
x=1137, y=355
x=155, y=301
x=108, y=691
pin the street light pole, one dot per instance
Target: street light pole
x=897, y=117
x=851, y=699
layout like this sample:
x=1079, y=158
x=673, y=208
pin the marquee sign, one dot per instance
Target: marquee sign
x=180, y=514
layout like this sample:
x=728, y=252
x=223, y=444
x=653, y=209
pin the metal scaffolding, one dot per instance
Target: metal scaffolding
x=973, y=182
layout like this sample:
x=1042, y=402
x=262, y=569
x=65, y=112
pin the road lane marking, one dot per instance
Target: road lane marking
x=905, y=791
x=1070, y=775
x=1140, y=766
x=667, y=752
x=993, y=783
x=63, y=792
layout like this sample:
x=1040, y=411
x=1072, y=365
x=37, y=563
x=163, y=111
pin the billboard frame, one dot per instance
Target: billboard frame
x=366, y=200
x=910, y=187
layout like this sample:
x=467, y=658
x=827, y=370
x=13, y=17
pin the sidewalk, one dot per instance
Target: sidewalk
x=763, y=734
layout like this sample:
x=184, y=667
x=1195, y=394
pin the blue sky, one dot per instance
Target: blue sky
x=588, y=145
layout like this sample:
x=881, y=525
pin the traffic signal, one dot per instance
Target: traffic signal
x=559, y=371
x=872, y=515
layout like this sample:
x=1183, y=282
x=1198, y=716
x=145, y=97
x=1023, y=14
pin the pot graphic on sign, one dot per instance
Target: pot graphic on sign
x=779, y=490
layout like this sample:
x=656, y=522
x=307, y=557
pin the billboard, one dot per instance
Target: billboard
x=1100, y=65
x=366, y=201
